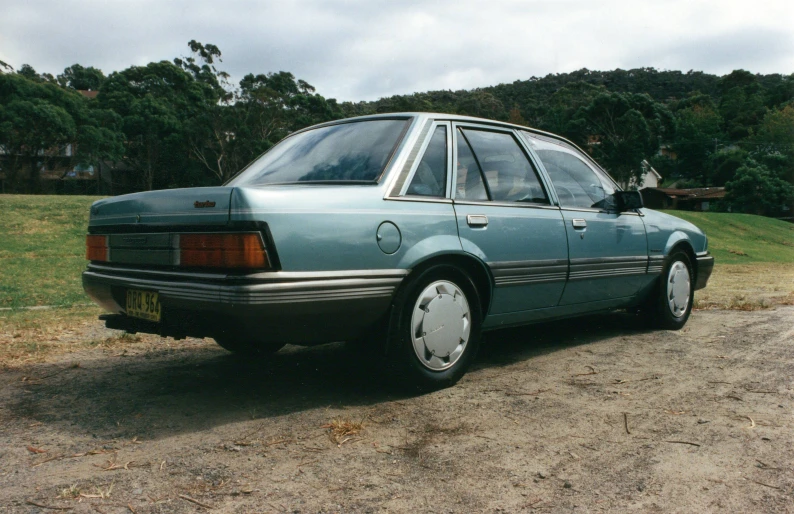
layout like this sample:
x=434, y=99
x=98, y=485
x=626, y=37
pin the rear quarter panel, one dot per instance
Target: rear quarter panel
x=330, y=228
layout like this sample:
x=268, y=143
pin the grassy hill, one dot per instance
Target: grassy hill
x=744, y=238
x=43, y=245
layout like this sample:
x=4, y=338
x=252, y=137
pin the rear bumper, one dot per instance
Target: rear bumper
x=289, y=307
x=705, y=265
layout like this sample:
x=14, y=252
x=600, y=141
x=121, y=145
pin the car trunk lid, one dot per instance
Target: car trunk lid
x=178, y=207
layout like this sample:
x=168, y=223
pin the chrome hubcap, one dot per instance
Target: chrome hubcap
x=440, y=325
x=678, y=289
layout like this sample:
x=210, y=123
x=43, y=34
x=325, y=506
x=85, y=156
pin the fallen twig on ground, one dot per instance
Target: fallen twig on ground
x=50, y=507
x=763, y=484
x=591, y=372
x=519, y=393
x=626, y=423
x=682, y=442
x=621, y=381
x=191, y=500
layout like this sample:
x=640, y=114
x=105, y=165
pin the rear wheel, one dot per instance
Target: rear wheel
x=435, y=329
x=247, y=346
x=670, y=305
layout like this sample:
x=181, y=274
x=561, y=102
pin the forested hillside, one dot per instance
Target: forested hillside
x=182, y=123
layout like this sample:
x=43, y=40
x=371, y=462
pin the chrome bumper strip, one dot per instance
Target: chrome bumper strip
x=258, y=289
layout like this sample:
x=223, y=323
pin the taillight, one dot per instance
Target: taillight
x=222, y=251
x=96, y=248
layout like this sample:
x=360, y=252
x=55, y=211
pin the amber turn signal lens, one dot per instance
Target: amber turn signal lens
x=96, y=248
x=222, y=251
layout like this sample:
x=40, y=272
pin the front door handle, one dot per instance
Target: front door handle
x=477, y=220
x=579, y=223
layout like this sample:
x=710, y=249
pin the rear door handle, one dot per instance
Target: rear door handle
x=477, y=220
x=579, y=223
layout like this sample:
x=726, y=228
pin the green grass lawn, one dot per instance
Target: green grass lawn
x=744, y=238
x=43, y=249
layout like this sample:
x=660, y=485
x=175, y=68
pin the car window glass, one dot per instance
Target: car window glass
x=507, y=170
x=576, y=183
x=469, y=184
x=347, y=152
x=430, y=178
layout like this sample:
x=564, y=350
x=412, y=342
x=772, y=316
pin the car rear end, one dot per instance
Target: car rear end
x=177, y=263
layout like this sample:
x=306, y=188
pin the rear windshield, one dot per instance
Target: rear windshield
x=349, y=152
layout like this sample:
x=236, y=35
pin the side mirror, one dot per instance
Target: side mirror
x=628, y=200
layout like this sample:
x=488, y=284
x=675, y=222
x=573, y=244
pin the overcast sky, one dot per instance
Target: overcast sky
x=367, y=49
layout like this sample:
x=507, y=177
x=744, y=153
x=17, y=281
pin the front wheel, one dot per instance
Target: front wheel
x=435, y=329
x=671, y=303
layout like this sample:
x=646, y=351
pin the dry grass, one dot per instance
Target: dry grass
x=70, y=493
x=748, y=287
x=343, y=430
x=32, y=335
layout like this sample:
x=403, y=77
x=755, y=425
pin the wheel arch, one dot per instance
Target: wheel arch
x=685, y=246
x=476, y=269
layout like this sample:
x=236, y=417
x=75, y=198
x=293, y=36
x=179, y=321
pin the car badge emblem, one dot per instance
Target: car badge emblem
x=202, y=205
x=137, y=218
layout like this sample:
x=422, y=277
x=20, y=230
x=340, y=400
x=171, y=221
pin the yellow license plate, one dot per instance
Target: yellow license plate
x=143, y=304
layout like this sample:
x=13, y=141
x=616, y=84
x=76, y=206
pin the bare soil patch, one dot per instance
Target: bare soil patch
x=593, y=415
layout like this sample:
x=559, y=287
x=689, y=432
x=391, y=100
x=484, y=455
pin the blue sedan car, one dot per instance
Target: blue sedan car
x=407, y=234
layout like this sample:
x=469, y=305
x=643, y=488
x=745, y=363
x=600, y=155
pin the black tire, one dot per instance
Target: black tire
x=405, y=370
x=657, y=309
x=247, y=346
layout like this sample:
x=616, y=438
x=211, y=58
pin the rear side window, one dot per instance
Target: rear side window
x=508, y=174
x=349, y=152
x=430, y=178
x=469, y=184
x=576, y=183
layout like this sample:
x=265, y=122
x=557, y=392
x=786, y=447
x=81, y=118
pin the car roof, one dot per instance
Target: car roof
x=421, y=116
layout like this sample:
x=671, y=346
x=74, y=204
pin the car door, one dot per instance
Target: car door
x=608, y=250
x=505, y=218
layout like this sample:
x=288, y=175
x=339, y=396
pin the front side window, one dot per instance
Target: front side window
x=349, y=152
x=430, y=178
x=576, y=183
x=508, y=174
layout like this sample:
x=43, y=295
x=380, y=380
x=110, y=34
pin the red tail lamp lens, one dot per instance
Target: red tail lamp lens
x=96, y=248
x=222, y=251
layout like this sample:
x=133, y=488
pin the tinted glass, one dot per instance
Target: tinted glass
x=506, y=168
x=576, y=183
x=349, y=152
x=430, y=178
x=469, y=184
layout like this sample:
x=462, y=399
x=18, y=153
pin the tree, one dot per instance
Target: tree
x=697, y=136
x=38, y=119
x=742, y=103
x=758, y=190
x=774, y=141
x=628, y=129
x=154, y=103
x=480, y=103
x=78, y=77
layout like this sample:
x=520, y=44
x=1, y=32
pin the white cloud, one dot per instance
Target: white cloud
x=365, y=49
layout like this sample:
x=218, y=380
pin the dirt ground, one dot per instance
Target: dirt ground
x=596, y=414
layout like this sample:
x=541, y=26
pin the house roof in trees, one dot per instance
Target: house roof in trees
x=88, y=94
x=700, y=193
